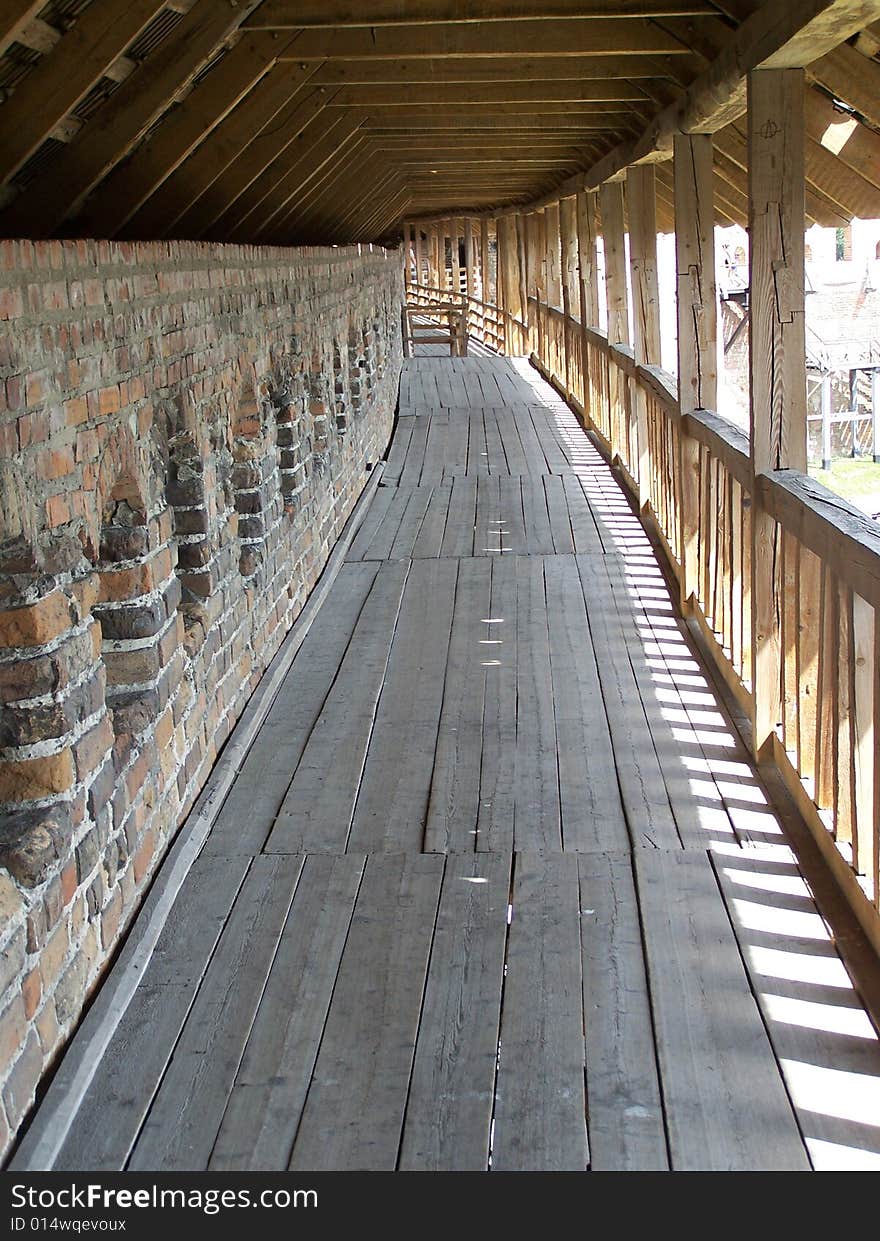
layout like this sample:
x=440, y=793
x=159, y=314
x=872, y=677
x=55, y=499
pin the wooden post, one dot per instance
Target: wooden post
x=407, y=252
x=777, y=363
x=570, y=292
x=826, y=421
x=697, y=303
x=612, y=211
x=611, y=205
x=589, y=270
x=456, y=232
x=552, y=251
x=642, y=206
x=468, y=226
x=588, y=286
x=419, y=256
x=485, y=291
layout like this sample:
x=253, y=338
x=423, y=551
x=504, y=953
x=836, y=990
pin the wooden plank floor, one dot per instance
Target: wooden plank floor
x=497, y=885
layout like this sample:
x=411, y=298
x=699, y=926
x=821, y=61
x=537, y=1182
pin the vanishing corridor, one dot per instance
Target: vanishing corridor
x=497, y=884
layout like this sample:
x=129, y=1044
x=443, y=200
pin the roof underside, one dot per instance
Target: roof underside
x=331, y=120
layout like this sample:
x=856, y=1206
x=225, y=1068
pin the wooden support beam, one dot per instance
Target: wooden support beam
x=14, y=17
x=457, y=236
x=408, y=253
x=486, y=293
x=61, y=79
x=553, y=255
x=777, y=353
x=611, y=204
x=642, y=211
x=420, y=255
x=540, y=36
x=468, y=226
x=491, y=95
x=617, y=77
x=568, y=237
x=588, y=269
x=611, y=208
x=117, y=126
x=697, y=317
x=201, y=112
x=280, y=14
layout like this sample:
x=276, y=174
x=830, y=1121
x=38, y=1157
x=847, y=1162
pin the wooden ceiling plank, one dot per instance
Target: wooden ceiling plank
x=130, y=185
x=314, y=146
x=14, y=17
x=861, y=150
x=284, y=196
x=383, y=184
x=116, y=127
x=61, y=79
x=295, y=123
x=340, y=185
x=327, y=191
x=280, y=14
x=270, y=98
x=853, y=78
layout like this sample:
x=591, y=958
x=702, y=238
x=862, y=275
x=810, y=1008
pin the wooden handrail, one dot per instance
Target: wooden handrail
x=826, y=746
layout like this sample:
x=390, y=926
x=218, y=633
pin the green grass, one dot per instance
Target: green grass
x=857, y=479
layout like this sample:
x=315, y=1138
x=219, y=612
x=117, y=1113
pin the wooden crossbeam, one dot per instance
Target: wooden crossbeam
x=62, y=78
x=538, y=37
x=214, y=98
x=278, y=14
x=622, y=71
x=421, y=128
x=123, y=119
x=482, y=94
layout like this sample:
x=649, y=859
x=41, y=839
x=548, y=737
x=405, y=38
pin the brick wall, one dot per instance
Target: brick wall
x=184, y=429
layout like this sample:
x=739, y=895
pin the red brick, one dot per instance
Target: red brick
x=36, y=623
x=76, y=411
x=55, y=463
x=30, y=778
x=57, y=511
x=31, y=993
x=108, y=400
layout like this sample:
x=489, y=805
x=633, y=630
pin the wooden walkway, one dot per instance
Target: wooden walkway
x=497, y=885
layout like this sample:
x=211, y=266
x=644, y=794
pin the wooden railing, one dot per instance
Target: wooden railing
x=489, y=324
x=693, y=480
